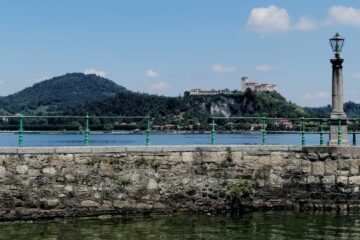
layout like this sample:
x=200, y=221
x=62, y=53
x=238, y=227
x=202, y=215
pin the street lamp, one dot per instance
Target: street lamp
x=338, y=122
x=337, y=43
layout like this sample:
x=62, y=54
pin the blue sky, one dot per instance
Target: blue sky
x=166, y=47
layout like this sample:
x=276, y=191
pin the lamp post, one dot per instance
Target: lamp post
x=338, y=122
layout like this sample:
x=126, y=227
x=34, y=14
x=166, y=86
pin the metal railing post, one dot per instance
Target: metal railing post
x=302, y=131
x=354, y=139
x=263, y=130
x=21, y=130
x=339, y=130
x=321, y=133
x=212, y=131
x=148, y=127
x=87, y=130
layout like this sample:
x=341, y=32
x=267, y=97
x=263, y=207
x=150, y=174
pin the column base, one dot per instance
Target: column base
x=334, y=130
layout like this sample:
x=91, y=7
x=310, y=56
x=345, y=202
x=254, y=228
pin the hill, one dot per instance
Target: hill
x=60, y=93
x=351, y=109
x=192, y=109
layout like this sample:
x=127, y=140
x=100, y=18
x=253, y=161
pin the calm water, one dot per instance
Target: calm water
x=158, y=139
x=272, y=225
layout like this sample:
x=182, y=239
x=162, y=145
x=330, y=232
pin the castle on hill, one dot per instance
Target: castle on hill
x=245, y=84
x=260, y=87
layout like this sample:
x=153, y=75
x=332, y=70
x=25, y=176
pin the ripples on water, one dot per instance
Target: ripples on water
x=271, y=225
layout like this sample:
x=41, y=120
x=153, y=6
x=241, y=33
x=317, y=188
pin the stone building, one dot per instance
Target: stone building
x=245, y=84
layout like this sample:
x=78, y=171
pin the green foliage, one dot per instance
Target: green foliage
x=76, y=94
x=59, y=94
x=242, y=189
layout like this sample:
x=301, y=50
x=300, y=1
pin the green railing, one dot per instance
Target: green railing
x=299, y=125
x=265, y=126
x=87, y=126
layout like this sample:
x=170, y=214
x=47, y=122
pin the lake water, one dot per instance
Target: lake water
x=10, y=139
x=258, y=225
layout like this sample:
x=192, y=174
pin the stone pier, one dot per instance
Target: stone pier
x=89, y=181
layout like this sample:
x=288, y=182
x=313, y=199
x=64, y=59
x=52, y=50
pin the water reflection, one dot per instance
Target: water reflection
x=271, y=225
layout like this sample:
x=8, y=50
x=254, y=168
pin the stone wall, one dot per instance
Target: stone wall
x=87, y=181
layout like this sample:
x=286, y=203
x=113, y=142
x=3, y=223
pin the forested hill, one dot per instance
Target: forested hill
x=60, y=93
x=192, y=109
x=77, y=93
x=351, y=109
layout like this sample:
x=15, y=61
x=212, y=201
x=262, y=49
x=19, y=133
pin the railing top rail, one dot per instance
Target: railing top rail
x=78, y=117
x=273, y=118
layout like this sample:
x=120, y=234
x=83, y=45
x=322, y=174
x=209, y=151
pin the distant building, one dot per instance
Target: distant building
x=199, y=92
x=245, y=84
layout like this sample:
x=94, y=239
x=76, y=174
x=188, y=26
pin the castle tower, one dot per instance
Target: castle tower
x=244, y=80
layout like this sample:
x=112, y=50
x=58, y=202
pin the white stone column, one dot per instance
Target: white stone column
x=337, y=105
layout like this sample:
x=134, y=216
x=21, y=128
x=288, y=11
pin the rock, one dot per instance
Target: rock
x=49, y=203
x=89, y=203
x=354, y=180
x=51, y=171
x=2, y=171
x=152, y=184
x=70, y=178
x=318, y=168
x=68, y=188
x=312, y=156
x=22, y=169
x=342, y=180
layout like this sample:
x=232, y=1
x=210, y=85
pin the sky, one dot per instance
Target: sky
x=167, y=47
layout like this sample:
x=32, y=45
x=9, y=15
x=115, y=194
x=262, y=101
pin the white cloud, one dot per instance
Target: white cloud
x=264, y=68
x=96, y=72
x=160, y=86
x=151, y=73
x=269, y=19
x=344, y=15
x=266, y=20
x=2, y=82
x=318, y=95
x=222, y=69
x=355, y=75
x=306, y=24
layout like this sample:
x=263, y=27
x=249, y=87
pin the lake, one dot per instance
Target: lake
x=11, y=139
x=258, y=225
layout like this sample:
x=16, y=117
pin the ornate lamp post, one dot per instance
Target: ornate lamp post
x=338, y=122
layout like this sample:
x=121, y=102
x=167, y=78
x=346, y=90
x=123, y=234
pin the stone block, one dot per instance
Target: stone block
x=8, y=150
x=22, y=169
x=305, y=166
x=2, y=171
x=264, y=160
x=237, y=156
x=152, y=184
x=108, y=149
x=49, y=203
x=35, y=150
x=330, y=179
x=354, y=167
x=73, y=150
x=277, y=160
x=318, y=168
x=89, y=203
x=342, y=180
x=313, y=179
x=344, y=165
x=330, y=166
x=51, y=171
x=354, y=180
x=312, y=156
x=65, y=157
x=187, y=156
